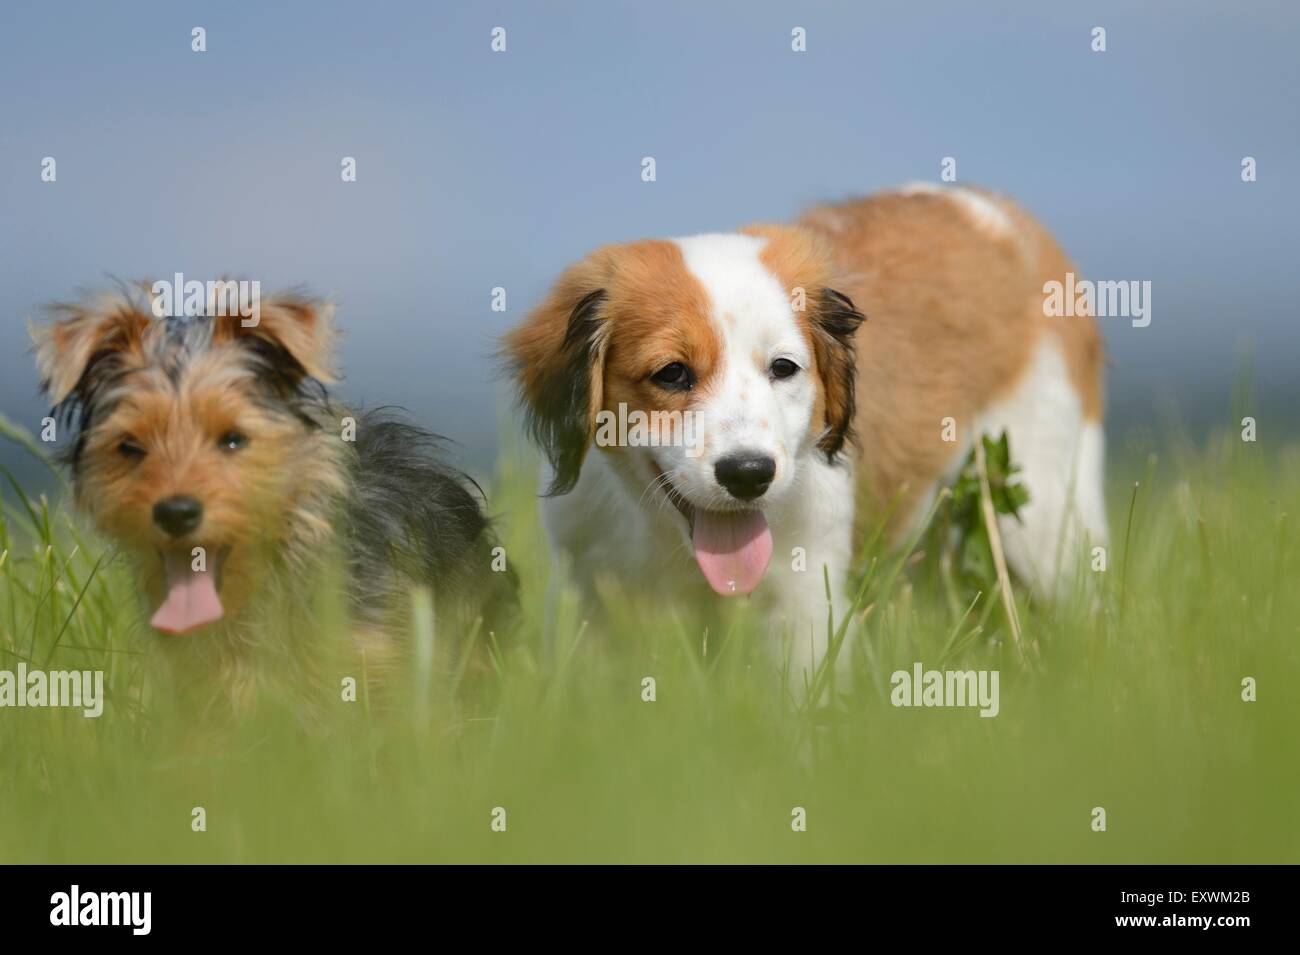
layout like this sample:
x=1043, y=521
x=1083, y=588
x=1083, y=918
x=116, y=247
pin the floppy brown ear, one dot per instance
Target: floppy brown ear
x=302, y=327
x=78, y=336
x=557, y=357
x=834, y=320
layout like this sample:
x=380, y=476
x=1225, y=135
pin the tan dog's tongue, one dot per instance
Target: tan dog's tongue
x=191, y=599
x=732, y=548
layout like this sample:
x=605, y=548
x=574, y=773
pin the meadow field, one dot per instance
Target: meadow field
x=1127, y=697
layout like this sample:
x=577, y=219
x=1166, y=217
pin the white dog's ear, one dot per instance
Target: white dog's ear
x=834, y=321
x=557, y=358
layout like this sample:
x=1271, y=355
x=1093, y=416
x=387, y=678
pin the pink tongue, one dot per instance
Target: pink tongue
x=191, y=599
x=732, y=548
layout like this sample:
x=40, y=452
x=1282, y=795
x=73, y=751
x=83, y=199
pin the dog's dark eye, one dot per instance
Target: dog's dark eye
x=130, y=448
x=784, y=368
x=232, y=441
x=675, y=376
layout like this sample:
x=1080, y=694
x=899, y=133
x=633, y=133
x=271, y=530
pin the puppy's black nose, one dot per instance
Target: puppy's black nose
x=745, y=476
x=178, y=515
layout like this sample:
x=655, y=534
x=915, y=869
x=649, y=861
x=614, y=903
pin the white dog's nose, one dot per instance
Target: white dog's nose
x=746, y=475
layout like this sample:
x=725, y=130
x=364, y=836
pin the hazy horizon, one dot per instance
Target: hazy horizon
x=478, y=170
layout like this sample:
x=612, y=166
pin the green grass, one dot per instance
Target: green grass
x=1132, y=702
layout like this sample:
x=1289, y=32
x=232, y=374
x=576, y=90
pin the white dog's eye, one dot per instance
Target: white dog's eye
x=784, y=368
x=675, y=377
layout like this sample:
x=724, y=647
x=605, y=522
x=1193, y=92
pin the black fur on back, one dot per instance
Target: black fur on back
x=411, y=515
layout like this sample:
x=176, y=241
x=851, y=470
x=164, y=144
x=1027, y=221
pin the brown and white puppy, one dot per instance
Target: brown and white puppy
x=758, y=335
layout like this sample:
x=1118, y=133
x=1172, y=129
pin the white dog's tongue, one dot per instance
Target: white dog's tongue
x=732, y=548
x=191, y=599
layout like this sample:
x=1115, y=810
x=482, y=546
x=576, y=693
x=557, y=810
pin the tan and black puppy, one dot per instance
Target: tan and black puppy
x=212, y=454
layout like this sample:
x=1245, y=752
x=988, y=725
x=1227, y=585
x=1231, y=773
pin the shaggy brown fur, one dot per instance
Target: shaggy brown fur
x=314, y=519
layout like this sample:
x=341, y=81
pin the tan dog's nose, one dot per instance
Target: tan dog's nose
x=178, y=515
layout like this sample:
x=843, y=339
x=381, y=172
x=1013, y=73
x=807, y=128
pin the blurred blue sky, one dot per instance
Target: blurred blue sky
x=478, y=169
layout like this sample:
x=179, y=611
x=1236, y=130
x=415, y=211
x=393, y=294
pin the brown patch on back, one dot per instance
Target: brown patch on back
x=955, y=315
x=1079, y=336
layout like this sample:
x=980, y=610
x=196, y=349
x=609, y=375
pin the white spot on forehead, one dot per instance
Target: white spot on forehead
x=729, y=268
x=742, y=407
